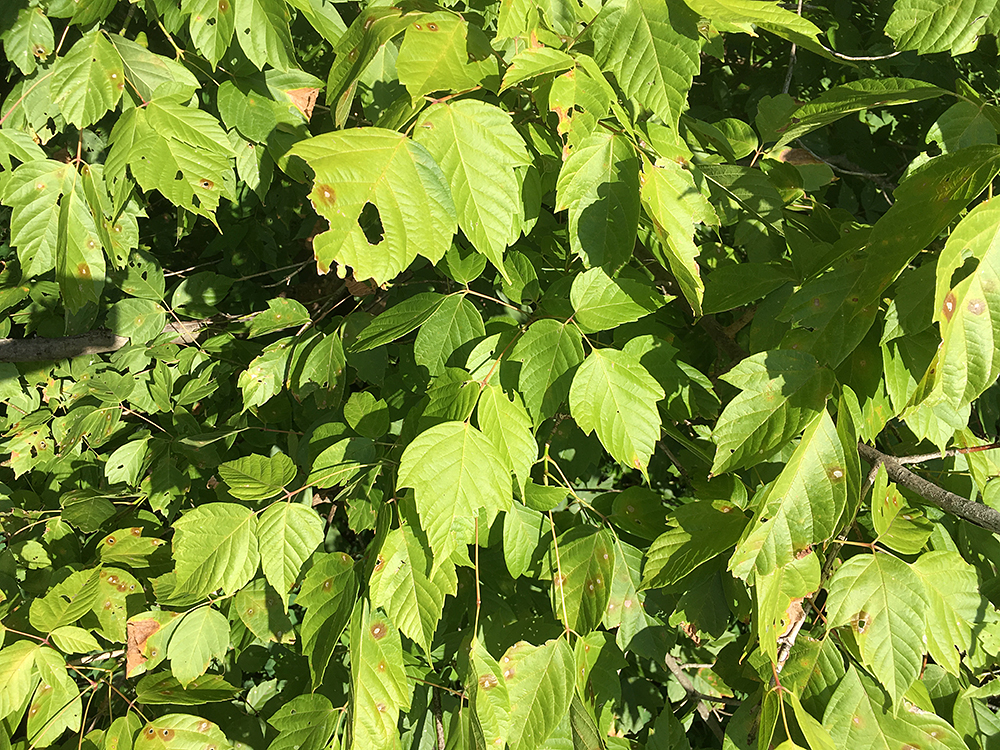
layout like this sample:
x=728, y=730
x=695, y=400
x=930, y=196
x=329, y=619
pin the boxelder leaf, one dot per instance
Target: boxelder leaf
x=261, y=609
x=535, y=61
x=953, y=600
x=508, y=426
x=281, y=313
x=479, y=152
x=202, y=635
x=539, y=681
x=613, y=394
x=66, y=602
x=599, y=184
x=89, y=80
x=398, y=321
x=18, y=676
x=602, y=302
x=147, y=71
x=395, y=175
x=582, y=566
x=341, y=462
x=215, y=546
x=211, y=24
x=885, y=602
x=287, y=534
x=652, y=48
x=454, y=323
x=73, y=640
x=125, y=464
x=938, y=27
x=782, y=391
x=29, y=38
x=322, y=372
x=180, y=732
x=441, y=52
x=779, y=594
x=257, y=477
x=801, y=508
x=56, y=705
x=455, y=472
x=523, y=530
x=163, y=688
x=263, y=32
x=548, y=351
x=327, y=593
x=379, y=685
x=744, y=15
x=306, y=722
x=490, y=701
x=409, y=587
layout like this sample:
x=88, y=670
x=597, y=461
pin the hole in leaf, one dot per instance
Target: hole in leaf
x=371, y=224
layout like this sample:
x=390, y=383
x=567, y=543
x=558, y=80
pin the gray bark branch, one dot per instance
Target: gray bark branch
x=40, y=349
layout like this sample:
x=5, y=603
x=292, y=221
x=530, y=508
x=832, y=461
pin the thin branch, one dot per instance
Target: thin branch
x=703, y=710
x=968, y=510
x=859, y=58
x=791, y=59
x=93, y=342
x=922, y=457
x=438, y=719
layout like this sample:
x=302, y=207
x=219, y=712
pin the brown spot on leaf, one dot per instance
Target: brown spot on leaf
x=432, y=26
x=860, y=622
x=325, y=195
x=488, y=681
x=304, y=100
x=167, y=734
x=378, y=630
x=977, y=306
x=949, y=306
x=137, y=632
x=83, y=270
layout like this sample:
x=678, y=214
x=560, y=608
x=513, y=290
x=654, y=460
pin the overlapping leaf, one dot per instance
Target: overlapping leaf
x=287, y=534
x=539, y=681
x=936, y=26
x=215, y=546
x=548, y=351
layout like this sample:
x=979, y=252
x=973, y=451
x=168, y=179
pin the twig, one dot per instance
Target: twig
x=921, y=458
x=791, y=60
x=438, y=721
x=703, y=711
x=859, y=58
x=968, y=510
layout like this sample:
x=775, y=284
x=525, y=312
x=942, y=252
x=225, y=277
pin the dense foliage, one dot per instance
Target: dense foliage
x=499, y=374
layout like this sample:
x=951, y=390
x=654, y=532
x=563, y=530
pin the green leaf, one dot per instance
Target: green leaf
x=701, y=530
x=263, y=612
x=18, y=676
x=929, y=27
x=88, y=81
x=884, y=602
x=66, y=602
x=321, y=375
x=180, y=732
x=778, y=593
x=523, y=528
x=29, y=39
x=327, y=593
x=479, y=152
x=164, y=689
x=953, y=601
x=147, y=71
x=582, y=566
x=265, y=377
x=507, y=425
x=539, y=681
x=743, y=15
x=128, y=547
x=395, y=175
x=599, y=184
x=56, y=705
x=782, y=391
x=211, y=24
x=366, y=415
x=263, y=33
x=675, y=205
x=341, y=462
x=441, y=52
x=73, y=640
x=125, y=464
x=140, y=319
x=455, y=472
x=653, y=50
x=398, y=320
x=257, y=477
x=602, y=302
x=409, y=588
x=801, y=508
x=851, y=97
x=379, y=686
x=215, y=546
x=454, y=323
x=287, y=534
x=281, y=313
x=306, y=722
x=857, y=716
x=739, y=284
x=532, y=62
x=548, y=352
x=201, y=636
x=489, y=700
x=613, y=394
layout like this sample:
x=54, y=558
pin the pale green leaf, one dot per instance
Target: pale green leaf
x=531, y=62
x=180, y=732
x=73, y=640
x=257, y=477
x=953, y=606
x=18, y=676
x=782, y=391
x=164, y=689
x=287, y=534
x=455, y=472
x=141, y=320
x=66, y=602
x=507, y=425
x=581, y=563
x=265, y=376
x=215, y=546
x=885, y=603
x=341, y=462
x=125, y=464
x=201, y=636
x=398, y=320
x=88, y=81
x=263, y=33
x=602, y=302
x=479, y=152
x=128, y=547
x=652, y=48
x=80, y=263
x=539, y=681
x=929, y=26
x=262, y=611
x=322, y=16
x=548, y=352
x=409, y=587
x=56, y=705
x=211, y=25
x=441, y=52
x=776, y=592
x=455, y=323
x=614, y=395
x=306, y=722
x=146, y=71
x=801, y=508
x=379, y=685
x=327, y=593
x=489, y=700
x=281, y=313
x=395, y=175
x=674, y=204
x=743, y=15
x=29, y=39
x=599, y=184
x=523, y=530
